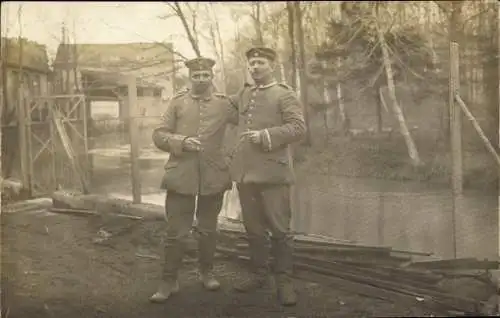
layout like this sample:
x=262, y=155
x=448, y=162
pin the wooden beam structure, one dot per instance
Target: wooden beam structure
x=134, y=143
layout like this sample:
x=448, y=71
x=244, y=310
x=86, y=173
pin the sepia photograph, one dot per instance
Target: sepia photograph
x=268, y=159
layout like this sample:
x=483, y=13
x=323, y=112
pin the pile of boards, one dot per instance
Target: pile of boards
x=376, y=271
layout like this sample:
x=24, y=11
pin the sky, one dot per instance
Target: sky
x=105, y=22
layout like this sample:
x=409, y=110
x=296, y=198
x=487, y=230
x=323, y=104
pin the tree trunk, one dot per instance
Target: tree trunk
x=291, y=35
x=257, y=23
x=490, y=76
x=340, y=100
x=222, y=58
x=303, y=80
x=412, y=149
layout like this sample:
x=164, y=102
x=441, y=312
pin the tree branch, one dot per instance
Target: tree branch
x=190, y=36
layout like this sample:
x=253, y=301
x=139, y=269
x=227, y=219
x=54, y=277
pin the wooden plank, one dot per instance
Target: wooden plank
x=315, y=242
x=133, y=135
x=373, y=271
x=456, y=264
x=367, y=290
x=451, y=301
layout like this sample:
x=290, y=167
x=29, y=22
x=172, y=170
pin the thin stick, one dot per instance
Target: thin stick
x=476, y=125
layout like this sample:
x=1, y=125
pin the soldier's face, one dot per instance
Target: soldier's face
x=260, y=67
x=201, y=80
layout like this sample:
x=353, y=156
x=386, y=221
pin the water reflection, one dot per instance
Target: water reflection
x=404, y=215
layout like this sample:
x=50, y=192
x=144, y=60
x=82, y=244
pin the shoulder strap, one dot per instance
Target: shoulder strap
x=180, y=93
x=284, y=85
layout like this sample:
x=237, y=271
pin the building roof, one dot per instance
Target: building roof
x=151, y=62
x=34, y=55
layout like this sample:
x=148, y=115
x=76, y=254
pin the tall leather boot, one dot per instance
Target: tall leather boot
x=259, y=272
x=174, y=253
x=206, y=249
x=282, y=250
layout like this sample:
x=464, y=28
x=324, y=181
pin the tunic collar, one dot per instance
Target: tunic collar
x=265, y=86
x=207, y=95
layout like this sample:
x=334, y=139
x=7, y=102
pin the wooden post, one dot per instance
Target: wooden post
x=498, y=173
x=340, y=101
x=455, y=138
x=379, y=111
x=133, y=134
x=23, y=138
x=455, y=121
x=326, y=100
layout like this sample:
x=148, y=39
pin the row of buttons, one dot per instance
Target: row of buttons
x=251, y=106
x=202, y=107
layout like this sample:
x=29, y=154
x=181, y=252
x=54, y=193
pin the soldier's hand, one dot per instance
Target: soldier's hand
x=192, y=144
x=252, y=135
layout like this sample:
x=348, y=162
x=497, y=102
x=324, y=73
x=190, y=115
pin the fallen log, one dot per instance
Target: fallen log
x=27, y=205
x=13, y=190
x=106, y=205
x=89, y=212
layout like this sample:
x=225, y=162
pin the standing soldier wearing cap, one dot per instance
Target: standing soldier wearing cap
x=192, y=132
x=270, y=119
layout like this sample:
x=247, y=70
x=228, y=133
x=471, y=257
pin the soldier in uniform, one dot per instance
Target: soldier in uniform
x=192, y=132
x=270, y=118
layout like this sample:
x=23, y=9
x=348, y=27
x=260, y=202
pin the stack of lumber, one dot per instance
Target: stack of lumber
x=372, y=271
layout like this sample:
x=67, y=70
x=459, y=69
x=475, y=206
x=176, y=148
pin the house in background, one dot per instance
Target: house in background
x=36, y=74
x=99, y=70
x=33, y=64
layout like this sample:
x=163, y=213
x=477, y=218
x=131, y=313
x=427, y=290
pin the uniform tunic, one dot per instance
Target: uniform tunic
x=205, y=117
x=275, y=109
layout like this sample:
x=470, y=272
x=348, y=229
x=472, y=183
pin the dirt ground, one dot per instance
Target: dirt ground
x=55, y=266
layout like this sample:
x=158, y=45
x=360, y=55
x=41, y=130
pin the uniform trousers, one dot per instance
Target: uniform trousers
x=266, y=213
x=180, y=211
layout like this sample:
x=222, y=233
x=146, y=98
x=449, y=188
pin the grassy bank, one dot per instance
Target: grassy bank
x=387, y=158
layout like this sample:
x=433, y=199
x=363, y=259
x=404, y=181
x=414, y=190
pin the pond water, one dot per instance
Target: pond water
x=403, y=215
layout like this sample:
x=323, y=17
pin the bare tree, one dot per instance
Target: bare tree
x=291, y=34
x=412, y=149
x=191, y=32
x=257, y=20
x=304, y=86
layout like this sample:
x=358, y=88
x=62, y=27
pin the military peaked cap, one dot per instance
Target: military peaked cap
x=200, y=64
x=265, y=52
